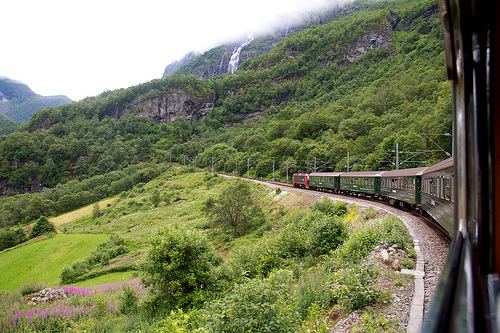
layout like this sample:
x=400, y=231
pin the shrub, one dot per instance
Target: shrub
x=31, y=288
x=155, y=198
x=128, y=301
x=394, y=232
x=326, y=206
x=353, y=287
x=42, y=227
x=105, y=251
x=259, y=305
x=10, y=237
x=325, y=235
x=357, y=246
x=177, y=269
x=311, y=289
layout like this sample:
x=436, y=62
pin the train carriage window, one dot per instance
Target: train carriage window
x=447, y=189
x=452, y=187
x=443, y=188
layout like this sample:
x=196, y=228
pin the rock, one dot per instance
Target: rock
x=395, y=264
x=385, y=256
x=47, y=295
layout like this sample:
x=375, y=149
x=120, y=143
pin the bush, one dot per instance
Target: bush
x=353, y=287
x=311, y=289
x=178, y=269
x=42, y=227
x=128, y=302
x=259, y=305
x=326, y=206
x=10, y=237
x=31, y=288
x=357, y=246
x=105, y=251
x=325, y=235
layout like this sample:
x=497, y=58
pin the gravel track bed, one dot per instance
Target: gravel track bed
x=433, y=244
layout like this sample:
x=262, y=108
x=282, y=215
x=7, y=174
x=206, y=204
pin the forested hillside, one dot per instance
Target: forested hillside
x=357, y=85
x=18, y=103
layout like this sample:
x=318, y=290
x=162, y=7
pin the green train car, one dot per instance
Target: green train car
x=324, y=181
x=438, y=200
x=402, y=187
x=363, y=182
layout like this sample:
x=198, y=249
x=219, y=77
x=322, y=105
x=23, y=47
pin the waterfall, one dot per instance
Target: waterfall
x=235, y=57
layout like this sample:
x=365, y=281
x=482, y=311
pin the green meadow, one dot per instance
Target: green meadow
x=42, y=261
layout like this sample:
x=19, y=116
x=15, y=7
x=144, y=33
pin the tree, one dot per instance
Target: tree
x=177, y=269
x=234, y=207
x=96, y=210
x=42, y=227
x=155, y=198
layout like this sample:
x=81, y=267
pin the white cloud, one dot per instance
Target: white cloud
x=81, y=48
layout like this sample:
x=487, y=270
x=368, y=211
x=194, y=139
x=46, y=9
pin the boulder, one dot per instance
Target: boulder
x=47, y=295
x=385, y=256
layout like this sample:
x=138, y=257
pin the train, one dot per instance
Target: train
x=427, y=190
x=463, y=194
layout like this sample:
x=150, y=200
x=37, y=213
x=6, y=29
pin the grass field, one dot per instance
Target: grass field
x=71, y=216
x=105, y=279
x=42, y=261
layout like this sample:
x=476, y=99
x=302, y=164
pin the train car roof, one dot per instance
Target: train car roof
x=325, y=174
x=448, y=163
x=404, y=172
x=361, y=174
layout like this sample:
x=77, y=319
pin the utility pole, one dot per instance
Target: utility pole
x=347, y=161
x=248, y=168
x=273, y=170
x=397, y=156
x=236, y=166
x=314, y=163
x=287, y=171
x=212, y=165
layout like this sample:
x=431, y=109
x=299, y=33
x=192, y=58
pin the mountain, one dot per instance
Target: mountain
x=18, y=102
x=227, y=58
x=371, y=78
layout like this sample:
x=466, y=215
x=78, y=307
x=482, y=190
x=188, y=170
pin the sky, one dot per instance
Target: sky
x=82, y=48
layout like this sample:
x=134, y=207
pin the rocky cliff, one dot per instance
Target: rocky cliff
x=167, y=107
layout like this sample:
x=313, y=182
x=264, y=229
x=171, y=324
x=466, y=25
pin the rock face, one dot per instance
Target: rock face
x=170, y=106
x=371, y=40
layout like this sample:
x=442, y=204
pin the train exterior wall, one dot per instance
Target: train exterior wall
x=367, y=185
x=329, y=181
x=437, y=194
x=406, y=189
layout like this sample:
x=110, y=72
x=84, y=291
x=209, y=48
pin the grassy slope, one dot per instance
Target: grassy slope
x=41, y=262
x=132, y=217
x=68, y=217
